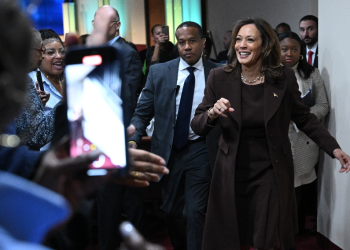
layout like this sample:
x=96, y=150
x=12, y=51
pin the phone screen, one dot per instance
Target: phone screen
x=95, y=108
x=165, y=30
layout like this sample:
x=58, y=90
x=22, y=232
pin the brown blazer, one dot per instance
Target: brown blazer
x=282, y=104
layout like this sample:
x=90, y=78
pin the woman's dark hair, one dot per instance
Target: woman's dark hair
x=47, y=34
x=304, y=69
x=154, y=26
x=271, y=51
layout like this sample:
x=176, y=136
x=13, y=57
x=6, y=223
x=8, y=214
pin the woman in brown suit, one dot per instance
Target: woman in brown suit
x=253, y=99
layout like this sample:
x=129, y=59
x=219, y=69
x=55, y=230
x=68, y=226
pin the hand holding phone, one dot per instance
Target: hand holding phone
x=40, y=80
x=95, y=98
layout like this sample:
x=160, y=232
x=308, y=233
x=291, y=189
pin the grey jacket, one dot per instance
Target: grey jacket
x=158, y=100
x=305, y=151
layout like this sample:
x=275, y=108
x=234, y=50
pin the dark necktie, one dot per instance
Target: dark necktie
x=309, y=59
x=184, y=113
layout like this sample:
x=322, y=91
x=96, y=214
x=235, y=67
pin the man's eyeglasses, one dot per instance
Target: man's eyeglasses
x=40, y=50
x=53, y=53
x=93, y=21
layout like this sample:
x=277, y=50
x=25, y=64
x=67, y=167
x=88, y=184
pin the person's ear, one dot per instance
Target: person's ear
x=118, y=25
x=203, y=42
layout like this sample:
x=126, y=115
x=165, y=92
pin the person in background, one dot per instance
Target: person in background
x=305, y=151
x=308, y=27
x=223, y=55
x=161, y=51
x=172, y=92
x=113, y=199
x=51, y=67
x=83, y=38
x=253, y=99
x=207, y=48
x=282, y=27
x=33, y=126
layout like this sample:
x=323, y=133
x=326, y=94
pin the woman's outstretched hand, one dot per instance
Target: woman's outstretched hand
x=344, y=160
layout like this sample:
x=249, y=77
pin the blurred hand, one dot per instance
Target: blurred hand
x=98, y=35
x=134, y=240
x=344, y=160
x=144, y=166
x=66, y=175
x=161, y=39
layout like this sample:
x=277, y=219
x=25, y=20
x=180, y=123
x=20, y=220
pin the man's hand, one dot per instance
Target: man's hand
x=144, y=165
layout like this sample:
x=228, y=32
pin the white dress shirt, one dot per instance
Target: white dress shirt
x=313, y=49
x=198, y=89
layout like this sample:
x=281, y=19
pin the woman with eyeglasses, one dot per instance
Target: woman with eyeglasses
x=35, y=127
x=51, y=67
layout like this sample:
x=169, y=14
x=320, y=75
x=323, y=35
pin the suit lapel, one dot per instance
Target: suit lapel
x=171, y=79
x=273, y=96
x=232, y=91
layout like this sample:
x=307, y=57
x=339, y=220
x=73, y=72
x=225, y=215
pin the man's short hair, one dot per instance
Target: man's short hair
x=284, y=25
x=36, y=37
x=310, y=17
x=117, y=18
x=191, y=24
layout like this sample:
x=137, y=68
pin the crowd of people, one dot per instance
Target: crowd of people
x=234, y=140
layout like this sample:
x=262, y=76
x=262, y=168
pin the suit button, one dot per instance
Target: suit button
x=276, y=161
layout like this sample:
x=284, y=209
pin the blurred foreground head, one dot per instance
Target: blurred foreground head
x=15, y=46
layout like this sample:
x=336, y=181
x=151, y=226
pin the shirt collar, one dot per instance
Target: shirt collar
x=313, y=49
x=184, y=65
x=113, y=40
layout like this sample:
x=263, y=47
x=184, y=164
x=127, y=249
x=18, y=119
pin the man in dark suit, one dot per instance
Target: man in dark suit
x=173, y=91
x=113, y=199
x=223, y=55
x=308, y=26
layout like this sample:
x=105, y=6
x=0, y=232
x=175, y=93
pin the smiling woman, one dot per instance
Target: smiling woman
x=253, y=99
x=51, y=67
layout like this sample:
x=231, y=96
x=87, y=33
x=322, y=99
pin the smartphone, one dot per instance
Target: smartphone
x=95, y=101
x=165, y=30
x=40, y=80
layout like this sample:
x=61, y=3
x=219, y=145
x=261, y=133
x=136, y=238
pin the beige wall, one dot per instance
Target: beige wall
x=334, y=201
x=221, y=14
